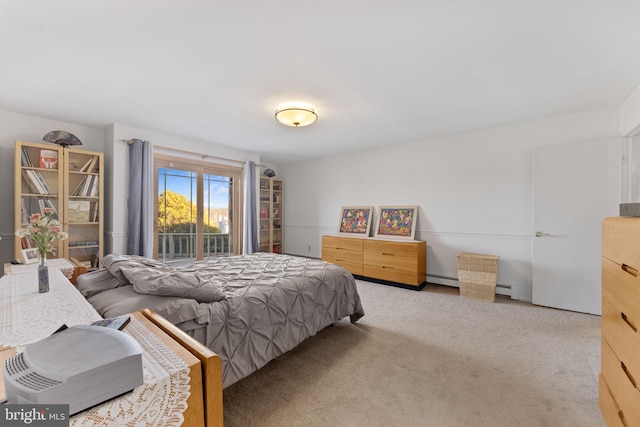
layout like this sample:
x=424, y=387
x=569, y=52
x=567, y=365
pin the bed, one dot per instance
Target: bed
x=249, y=309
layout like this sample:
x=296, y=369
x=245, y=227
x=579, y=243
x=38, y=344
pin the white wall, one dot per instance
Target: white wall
x=21, y=127
x=630, y=113
x=474, y=191
x=117, y=160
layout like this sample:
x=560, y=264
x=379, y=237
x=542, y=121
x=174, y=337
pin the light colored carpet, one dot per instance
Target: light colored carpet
x=431, y=358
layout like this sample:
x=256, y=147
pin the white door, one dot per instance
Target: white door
x=575, y=186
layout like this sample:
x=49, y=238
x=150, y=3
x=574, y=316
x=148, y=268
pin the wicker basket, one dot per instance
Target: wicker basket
x=477, y=275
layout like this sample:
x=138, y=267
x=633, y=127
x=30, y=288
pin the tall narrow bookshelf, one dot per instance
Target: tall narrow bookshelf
x=83, y=200
x=38, y=184
x=271, y=215
x=70, y=181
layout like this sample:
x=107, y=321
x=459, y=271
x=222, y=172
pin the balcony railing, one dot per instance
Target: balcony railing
x=182, y=246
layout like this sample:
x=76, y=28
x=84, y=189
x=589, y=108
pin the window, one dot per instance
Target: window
x=198, y=212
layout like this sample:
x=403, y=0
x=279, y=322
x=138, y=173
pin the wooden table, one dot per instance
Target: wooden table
x=27, y=316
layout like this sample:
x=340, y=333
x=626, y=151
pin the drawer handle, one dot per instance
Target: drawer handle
x=390, y=268
x=341, y=260
x=629, y=322
x=632, y=271
x=386, y=253
x=624, y=368
x=621, y=416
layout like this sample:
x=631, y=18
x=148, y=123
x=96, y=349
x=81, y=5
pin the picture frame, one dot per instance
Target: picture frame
x=355, y=221
x=397, y=222
x=30, y=255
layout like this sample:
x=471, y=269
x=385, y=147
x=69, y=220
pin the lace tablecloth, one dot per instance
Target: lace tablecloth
x=61, y=264
x=160, y=401
x=27, y=316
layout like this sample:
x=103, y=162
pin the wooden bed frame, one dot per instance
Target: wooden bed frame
x=211, y=372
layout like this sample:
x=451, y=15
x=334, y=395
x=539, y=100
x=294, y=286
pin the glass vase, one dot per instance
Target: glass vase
x=43, y=275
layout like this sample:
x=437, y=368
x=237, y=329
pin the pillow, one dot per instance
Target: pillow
x=114, y=263
x=124, y=300
x=170, y=282
x=94, y=282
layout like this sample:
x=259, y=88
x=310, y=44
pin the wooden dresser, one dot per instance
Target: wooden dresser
x=619, y=380
x=395, y=262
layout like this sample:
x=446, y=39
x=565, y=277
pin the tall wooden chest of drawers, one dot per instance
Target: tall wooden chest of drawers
x=619, y=381
x=395, y=262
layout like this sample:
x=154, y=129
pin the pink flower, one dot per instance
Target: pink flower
x=43, y=230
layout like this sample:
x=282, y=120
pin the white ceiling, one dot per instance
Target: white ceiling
x=378, y=72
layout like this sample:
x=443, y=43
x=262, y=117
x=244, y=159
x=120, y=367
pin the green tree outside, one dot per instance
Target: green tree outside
x=177, y=215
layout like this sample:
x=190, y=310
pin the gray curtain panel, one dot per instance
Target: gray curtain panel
x=140, y=202
x=250, y=217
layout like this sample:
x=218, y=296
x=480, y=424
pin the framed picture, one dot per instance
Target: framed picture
x=397, y=222
x=29, y=256
x=356, y=221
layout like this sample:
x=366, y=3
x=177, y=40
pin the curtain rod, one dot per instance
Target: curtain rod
x=204, y=156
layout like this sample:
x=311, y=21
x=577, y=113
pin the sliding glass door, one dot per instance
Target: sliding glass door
x=198, y=209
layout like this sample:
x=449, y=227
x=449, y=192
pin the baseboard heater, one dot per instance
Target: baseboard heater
x=501, y=289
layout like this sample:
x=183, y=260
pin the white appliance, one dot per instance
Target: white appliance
x=81, y=366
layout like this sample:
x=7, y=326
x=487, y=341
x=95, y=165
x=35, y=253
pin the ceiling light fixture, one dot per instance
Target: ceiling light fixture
x=296, y=116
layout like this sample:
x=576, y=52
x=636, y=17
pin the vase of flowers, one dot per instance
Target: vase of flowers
x=43, y=230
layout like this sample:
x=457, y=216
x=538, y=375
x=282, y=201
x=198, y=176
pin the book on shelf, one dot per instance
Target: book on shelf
x=90, y=165
x=36, y=182
x=78, y=189
x=85, y=166
x=48, y=159
x=94, y=186
x=26, y=242
x=43, y=183
x=93, y=166
x=23, y=211
x=79, y=211
x=87, y=187
x=46, y=203
x=26, y=161
x=94, y=212
x=83, y=244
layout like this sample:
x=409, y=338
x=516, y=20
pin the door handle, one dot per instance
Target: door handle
x=541, y=234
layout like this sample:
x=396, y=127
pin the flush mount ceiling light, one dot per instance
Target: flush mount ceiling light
x=296, y=116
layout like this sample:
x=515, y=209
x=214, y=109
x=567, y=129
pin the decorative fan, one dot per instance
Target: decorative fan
x=269, y=172
x=62, y=137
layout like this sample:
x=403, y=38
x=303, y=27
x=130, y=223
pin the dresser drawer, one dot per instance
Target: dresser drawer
x=621, y=333
x=342, y=243
x=620, y=237
x=622, y=287
x=622, y=385
x=389, y=260
x=341, y=255
x=350, y=260
x=393, y=274
x=610, y=412
x=353, y=267
x=406, y=249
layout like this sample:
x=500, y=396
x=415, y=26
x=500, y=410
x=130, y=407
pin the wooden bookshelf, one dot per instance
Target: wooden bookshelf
x=69, y=180
x=270, y=215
